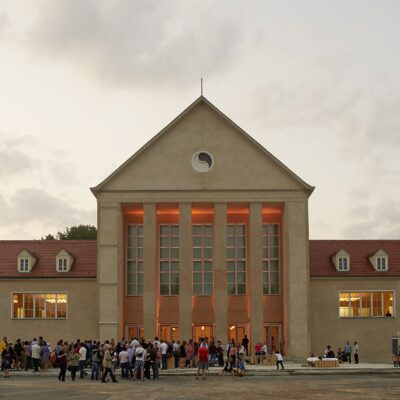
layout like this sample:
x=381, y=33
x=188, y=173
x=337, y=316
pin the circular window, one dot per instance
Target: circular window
x=202, y=161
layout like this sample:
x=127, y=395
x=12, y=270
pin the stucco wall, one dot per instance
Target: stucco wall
x=82, y=314
x=373, y=334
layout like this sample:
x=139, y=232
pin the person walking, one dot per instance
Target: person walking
x=347, y=351
x=279, y=360
x=107, y=364
x=82, y=360
x=356, y=352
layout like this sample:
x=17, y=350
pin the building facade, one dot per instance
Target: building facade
x=204, y=233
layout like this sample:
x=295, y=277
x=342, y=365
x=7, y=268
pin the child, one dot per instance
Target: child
x=240, y=368
x=279, y=359
x=228, y=368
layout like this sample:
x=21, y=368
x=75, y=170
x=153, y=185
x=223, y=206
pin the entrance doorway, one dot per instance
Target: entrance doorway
x=272, y=337
x=202, y=332
x=169, y=333
x=132, y=331
x=237, y=333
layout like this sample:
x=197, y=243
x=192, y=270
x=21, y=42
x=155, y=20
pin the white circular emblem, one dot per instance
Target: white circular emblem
x=202, y=161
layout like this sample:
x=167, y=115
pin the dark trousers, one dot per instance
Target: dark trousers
x=106, y=372
x=279, y=363
x=177, y=358
x=35, y=364
x=164, y=361
x=63, y=371
x=356, y=358
x=154, y=368
x=95, y=371
x=124, y=369
x=73, y=370
x=82, y=365
x=348, y=357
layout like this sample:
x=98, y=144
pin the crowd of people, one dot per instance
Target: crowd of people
x=342, y=355
x=136, y=358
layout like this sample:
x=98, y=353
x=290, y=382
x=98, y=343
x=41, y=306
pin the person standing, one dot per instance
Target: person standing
x=124, y=362
x=164, y=349
x=139, y=362
x=82, y=361
x=35, y=355
x=356, y=352
x=203, y=360
x=96, y=360
x=347, y=351
x=62, y=364
x=245, y=344
x=6, y=358
x=73, y=360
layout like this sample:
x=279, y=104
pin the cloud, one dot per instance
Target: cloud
x=24, y=156
x=35, y=210
x=374, y=222
x=4, y=21
x=138, y=42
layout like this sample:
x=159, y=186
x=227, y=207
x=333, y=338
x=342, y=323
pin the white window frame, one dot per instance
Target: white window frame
x=349, y=291
x=34, y=303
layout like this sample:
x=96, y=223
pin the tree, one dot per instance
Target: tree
x=79, y=232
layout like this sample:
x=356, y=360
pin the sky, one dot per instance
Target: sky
x=84, y=84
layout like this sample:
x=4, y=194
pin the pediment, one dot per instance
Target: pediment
x=166, y=161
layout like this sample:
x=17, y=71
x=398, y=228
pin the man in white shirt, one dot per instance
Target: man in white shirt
x=82, y=361
x=124, y=362
x=164, y=349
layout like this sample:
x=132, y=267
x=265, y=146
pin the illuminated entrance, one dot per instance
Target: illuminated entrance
x=202, y=332
x=169, y=333
x=237, y=333
x=272, y=336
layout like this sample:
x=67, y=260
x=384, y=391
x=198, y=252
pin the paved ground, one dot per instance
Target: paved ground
x=371, y=386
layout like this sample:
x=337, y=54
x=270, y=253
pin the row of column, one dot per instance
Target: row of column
x=254, y=288
x=295, y=285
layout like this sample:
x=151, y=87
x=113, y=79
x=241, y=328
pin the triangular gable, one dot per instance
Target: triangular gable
x=281, y=172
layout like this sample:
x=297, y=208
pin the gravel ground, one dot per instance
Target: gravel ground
x=215, y=387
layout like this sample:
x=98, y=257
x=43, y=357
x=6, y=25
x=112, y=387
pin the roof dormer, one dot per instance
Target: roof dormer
x=25, y=261
x=380, y=261
x=341, y=260
x=64, y=261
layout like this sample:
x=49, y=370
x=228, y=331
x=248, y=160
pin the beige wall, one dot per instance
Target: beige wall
x=82, y=313
x=296, y=278
x=373, y=334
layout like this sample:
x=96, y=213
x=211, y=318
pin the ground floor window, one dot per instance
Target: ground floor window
x=134, y=331
x=371, y=303
x=40, y=305
x=236, y=332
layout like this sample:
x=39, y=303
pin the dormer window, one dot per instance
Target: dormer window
x=64, y=261
x=379, y=261
x=25, y=261
x=341, y=260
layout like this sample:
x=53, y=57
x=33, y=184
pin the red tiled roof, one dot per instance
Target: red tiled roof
x=83, y=252
x=321, y=252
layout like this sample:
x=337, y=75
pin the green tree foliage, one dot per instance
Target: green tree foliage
x=80, y=232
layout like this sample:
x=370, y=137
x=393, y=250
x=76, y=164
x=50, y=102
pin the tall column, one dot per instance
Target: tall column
x=255, y=289
x=150, y=286
x=108, y=238
x=185, y=271
x=297, y=278
x=220, y=291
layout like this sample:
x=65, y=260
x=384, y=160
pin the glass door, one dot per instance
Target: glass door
x=272, y=337
x=202, y=332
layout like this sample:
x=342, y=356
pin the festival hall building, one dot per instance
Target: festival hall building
x=204, y=233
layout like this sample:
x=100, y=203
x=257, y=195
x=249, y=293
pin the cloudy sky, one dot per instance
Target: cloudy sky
x=316, y=82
